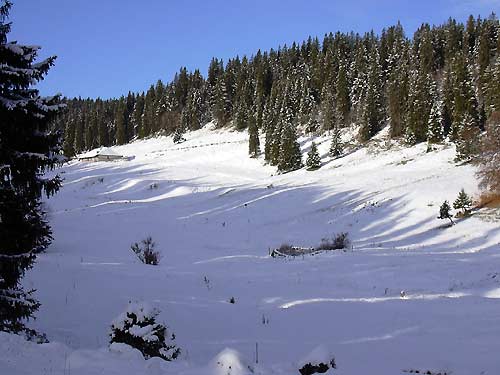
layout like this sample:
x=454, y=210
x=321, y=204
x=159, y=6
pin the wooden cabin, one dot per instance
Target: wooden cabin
x=101, y=154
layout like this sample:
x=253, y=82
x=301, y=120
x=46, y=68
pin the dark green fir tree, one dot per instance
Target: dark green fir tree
x=27, y=150
x=290, y=157
x=313, y=160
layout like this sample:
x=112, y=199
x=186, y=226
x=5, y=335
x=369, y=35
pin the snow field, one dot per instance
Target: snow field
x=214, y=213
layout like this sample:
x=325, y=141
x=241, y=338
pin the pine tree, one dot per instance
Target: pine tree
x=467, y=139
x=136, y=117
x=444, y=212
x=103, y=136
x=464, y=99
x=79, y=142
x=463, y=202
x=343, y=104
x=336, y=147
x=241, y=118
x=276, y=144
x=492, y=88
x=69, y=138
x=290, y=157
x=419, y=106
x=138, y=328
x=222, y=106
x=489, y=157
x=121, y=123
x=27, y=150
x=306, y=110
x=253, y=138
x=372, y=113
x=397, y=90
x=313, y=161
x=435, y=126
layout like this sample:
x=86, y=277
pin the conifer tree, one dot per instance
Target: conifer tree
x=121, y=123
x=328, y=110
x=419, y=106
x=290, y=157
x=313, y=160
x=222, y=105
x=306, y=110
x=372, y=114
x=241, y=118
x=103, y=136
x=69, y=138
x=276, y=143
x=268, y=125
x=464, y=99
x=343, y=104
x=492, y=88
x=435, y=126
x=489, y=157
x=79, y=142
x=336, y=147
x=444, y=212
x=397, y=91
x=136, y=117
x=27, y=150
x=468, y=139
x=253, y=138
x=463, y=203
x=179, y=133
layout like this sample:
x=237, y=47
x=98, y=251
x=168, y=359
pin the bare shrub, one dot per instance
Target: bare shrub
x=337, y=242
x=285, y=248
x=491, y=200
x=146, y=251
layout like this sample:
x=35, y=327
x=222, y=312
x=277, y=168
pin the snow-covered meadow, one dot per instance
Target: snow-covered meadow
x=215, y=213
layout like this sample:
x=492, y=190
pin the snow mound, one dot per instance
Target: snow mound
x=229, y=362
x=320, y=354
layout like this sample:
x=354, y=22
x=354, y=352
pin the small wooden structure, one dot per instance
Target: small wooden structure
x=292, y=251
x=101, y=154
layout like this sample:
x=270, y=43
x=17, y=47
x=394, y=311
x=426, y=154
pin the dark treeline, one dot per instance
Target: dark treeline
x=444, y=82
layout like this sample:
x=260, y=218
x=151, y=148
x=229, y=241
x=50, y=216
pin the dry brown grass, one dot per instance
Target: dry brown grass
x=488, y=200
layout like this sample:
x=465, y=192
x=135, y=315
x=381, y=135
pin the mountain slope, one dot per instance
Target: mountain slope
x=215, y=213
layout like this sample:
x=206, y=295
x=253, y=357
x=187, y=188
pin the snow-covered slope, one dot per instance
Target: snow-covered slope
x=214, y=213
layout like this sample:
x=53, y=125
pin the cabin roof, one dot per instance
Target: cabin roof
x=103, y=151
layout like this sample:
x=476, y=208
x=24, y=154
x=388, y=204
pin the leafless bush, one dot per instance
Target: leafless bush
x=339, y=241
x=146, y=251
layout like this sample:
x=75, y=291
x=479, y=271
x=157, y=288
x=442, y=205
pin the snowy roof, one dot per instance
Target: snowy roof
x=106, y=151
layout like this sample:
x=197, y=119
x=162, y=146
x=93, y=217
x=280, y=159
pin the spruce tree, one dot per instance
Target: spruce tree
x=444, y=212
x=328, y=107
x=222, y=105
x=336, y=147
x=253, y=138
x=435, y=126
x=463, y=203
x=467, y=139
x=489, y=157
x=69, y=138
x=313, y=160
x=121, y=123
x=464, y=98
x=136, y=117
x=343, y=104
x=241, y=117
x=419, y=106
x=27, y=150
x=79, y=144
x=372, y=109
x=290, y=157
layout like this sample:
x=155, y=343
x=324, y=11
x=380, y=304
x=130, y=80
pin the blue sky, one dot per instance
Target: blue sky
x=108, y=47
